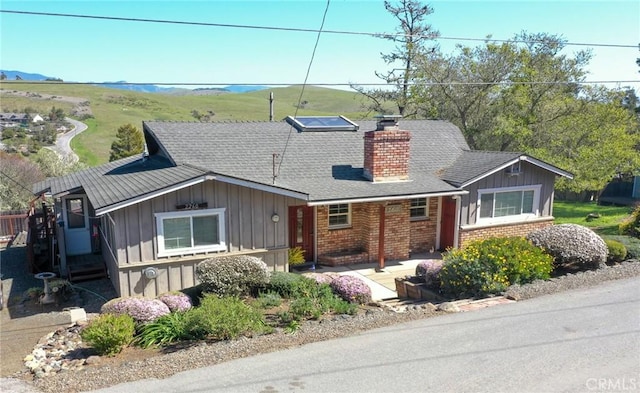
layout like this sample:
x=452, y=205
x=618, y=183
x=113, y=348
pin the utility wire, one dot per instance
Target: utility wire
x=293, y=29
x=16, y=182
x=504, y=83
x=306, y=77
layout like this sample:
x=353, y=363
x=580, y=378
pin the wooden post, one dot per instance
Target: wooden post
x=381, y=238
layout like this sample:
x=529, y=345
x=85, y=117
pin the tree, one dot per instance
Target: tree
x=56, y=114
x=595, y=144
x=52, y=165
x=129, y=141
x=413, y=34
x=501, y=94
x=17, y=176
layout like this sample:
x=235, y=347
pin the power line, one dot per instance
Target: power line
x=306, y=78
x=301, y=30
x=16, y=182
x=506, y=83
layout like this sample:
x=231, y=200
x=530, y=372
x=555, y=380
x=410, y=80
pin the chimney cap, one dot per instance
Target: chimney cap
x=387, y=122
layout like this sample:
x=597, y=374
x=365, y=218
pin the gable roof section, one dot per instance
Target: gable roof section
x=123, y=182
x=327, y=166
x=472, y=166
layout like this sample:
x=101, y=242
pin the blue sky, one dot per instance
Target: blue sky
x=104, y=50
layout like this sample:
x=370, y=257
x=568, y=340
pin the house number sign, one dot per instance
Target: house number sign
x=192, y=206
x=393, y=209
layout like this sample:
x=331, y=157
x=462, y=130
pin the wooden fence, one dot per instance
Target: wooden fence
x=12, y=222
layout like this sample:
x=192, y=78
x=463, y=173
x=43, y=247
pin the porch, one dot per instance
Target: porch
x=382, y=282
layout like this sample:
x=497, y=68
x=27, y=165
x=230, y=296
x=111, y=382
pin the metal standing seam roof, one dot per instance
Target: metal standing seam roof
x=121, y=180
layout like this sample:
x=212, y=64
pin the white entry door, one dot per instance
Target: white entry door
x=77, y=234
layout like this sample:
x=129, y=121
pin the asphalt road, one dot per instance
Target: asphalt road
x=585, y=340
x=63, y=141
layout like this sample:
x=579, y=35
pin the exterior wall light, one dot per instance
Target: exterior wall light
x=150, y=272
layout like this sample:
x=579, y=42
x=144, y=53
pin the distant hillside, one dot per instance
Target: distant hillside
x=107, y=109
x=140, y=88
x=11, y=75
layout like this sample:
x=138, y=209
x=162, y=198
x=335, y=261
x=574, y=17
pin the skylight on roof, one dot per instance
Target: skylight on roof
x=322, y=123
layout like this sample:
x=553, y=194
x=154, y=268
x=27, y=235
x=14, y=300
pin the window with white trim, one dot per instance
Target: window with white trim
x=508, y=203
x=190, y=232
x=419, y=208
x=339, y=215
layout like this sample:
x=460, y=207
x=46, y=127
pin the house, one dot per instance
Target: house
x=344, y=192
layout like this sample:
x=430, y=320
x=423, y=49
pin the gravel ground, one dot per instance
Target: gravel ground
x=177, y=359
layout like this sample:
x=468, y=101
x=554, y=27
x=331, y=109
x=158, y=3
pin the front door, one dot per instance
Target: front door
x=447, y=223
x=301, y=230
x=77, y=235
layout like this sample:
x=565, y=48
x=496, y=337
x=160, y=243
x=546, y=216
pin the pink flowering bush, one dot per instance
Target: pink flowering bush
x=142, y=310
x=322, y=278
x=571, y=245
x=351, y=289
x=429, y=271
x=176, y=301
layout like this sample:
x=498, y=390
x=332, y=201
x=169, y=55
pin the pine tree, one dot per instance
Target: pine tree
x=129, y=141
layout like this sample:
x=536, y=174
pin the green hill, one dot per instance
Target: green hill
x=112, y=108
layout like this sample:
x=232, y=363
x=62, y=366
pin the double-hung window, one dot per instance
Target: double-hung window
x=190, y=232
x=419, y=208
x=508, y=203
x=339, y=215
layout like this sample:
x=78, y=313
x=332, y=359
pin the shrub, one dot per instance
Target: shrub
x=489, y=266
x=176, y=301
x=142, y=310
x=224, y=318
x=235, y=275
x=109, y=333
x=322, y=278
x=165, y=330
x=631, y=225
x=571, y=245
x=296, y=256
x=292, y=285
x=429, y=272
x=351, y=289
x=269, y=299
x=631, y=244
x=617, y=251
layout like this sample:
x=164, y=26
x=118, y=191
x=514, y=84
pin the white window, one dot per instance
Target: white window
x=504, y=204
x=419, y=208
x=189, y=232
x=339, y=215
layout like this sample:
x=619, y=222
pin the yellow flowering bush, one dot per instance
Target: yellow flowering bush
x=489, y=266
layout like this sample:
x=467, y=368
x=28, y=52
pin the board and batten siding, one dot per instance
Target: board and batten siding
x=531, y=175
x=248, y=225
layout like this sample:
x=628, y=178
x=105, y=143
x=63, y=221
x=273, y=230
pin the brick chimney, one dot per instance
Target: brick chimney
x=386, y=151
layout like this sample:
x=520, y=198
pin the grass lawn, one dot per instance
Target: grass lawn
x=577, y=212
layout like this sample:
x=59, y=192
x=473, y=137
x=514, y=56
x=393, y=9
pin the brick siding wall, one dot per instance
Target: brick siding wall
x=506, y=230
x=359, y=242
x=423, y=232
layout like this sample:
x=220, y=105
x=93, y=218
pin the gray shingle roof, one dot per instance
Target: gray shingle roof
x=121, y=180
x=472, y=164
x=323, y=165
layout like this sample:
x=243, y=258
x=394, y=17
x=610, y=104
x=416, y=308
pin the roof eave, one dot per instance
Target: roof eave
x=387, y=198
x=524, y=157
